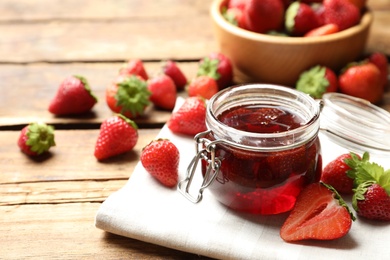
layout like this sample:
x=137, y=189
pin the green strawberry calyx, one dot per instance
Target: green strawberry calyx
x=209, y=67
x=366, y=173
x=86, y=86
x=40, y=137
x=291, y=12
x=339, y=199
x=313, y=82
x=132, y=95
x=128, y=120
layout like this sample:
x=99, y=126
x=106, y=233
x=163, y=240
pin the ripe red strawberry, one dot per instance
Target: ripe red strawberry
x=134, y=67
x=380, y=60
x=117, y=135
x=217, y=66
x=335, y=173
x=161, y=159
x=36, y=138
x=171, y=69
x=325, y=29
x=319, y=213
x=300, y=18
x=340, y=12
x=74, y=96
x=163, y=91
x=190, y=118
x=128, y=96
x=317, y=80
x=203, y=86
x=235, y=16
x=362, y=80
x=371, y=198
x=264, y=15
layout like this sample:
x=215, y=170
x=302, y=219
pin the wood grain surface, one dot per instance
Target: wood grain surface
x=48, y=205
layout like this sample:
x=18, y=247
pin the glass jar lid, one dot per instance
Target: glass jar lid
x=355, y=123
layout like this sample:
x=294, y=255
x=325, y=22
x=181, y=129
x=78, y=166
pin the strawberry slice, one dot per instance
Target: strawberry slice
x=319, y=213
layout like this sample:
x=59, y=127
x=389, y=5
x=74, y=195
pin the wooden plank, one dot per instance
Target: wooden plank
x=37, y=10
x=149, y=39
x=26, y=91
x=71, y=159
x=67, y=231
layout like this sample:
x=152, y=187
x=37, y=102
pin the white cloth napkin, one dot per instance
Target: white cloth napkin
x=145, y=210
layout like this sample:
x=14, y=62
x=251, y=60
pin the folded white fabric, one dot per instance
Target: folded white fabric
x=145, y=210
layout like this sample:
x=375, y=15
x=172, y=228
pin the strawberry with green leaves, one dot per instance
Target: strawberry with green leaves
x=36, y=139
x=117, y=135
x=163, y=91
x=171, y=69
x=217, y=66
x=371, y=197
x=362, y=80
x=317, y=80
x=319, y=213
x=134, y=67
x=190, y=118
x=203, y=86
x=161, y=158
x=335, y=173
x=128, y=95
x=74, y=96
x=300, y=18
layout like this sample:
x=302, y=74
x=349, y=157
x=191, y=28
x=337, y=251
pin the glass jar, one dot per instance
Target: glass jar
x=260, y=150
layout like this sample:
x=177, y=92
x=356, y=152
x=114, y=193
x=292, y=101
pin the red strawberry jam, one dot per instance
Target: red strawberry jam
x=264, y=182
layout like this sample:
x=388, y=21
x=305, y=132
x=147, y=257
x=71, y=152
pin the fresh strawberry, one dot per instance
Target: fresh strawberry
x=217, y=66
x=203, y=86
x=335, y=173
x=235, y=16
x=73, y=97
x=300, y=18
x=161, y=159
x=319, y=213
x=340, y=12
x=380, y=60
x=190, y=118
x=171, y=69
x=325, y=29
x=362, y=80
x=317, y=80
x=117, y=135
x=371, y=198
x=360, y=4
x=36, y=138
x=128, y=96
x=264, y=15
x=134, y=67
x=163, y=91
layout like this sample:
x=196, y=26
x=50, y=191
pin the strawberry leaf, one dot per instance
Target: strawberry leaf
x=209, y=67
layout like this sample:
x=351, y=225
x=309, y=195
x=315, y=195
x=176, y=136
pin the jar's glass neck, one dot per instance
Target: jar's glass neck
x=268, y=95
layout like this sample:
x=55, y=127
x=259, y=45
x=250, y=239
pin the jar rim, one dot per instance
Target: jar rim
x=356, y=120
x=301, y=134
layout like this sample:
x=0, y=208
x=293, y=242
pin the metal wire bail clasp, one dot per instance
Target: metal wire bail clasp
x=205, y=150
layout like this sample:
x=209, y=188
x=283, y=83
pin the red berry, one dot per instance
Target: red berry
x=171, y=69
x=319, y=213
x=203, y=86
x=163, y=91
x=325, y=29
x=36, y=139
x=134, y=67
x=74, y=96
x=335, y=174
x=300, y=18
x=217, y=66
x=340, y=12
x=161, y=159
x=117, y=135
x=380, y=60
x=190, y=118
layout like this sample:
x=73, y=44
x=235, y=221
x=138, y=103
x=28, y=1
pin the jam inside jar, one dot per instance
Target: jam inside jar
x=261, y=147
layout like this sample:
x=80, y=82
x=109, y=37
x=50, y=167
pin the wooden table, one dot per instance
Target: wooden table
x=48, y=205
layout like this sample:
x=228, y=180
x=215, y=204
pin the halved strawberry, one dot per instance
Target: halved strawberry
x=319, y=213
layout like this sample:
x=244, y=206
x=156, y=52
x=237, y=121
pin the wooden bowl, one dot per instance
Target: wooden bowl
x=280, y=60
